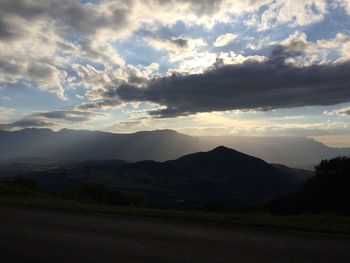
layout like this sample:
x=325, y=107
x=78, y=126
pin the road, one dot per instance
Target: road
x=39, y=235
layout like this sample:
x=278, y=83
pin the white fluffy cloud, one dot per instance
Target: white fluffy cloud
x=293, y=12
x=30, y=56
x=321, y=51
x=340, y=112
x=225, y=39
x=345, y=4
x=35, y=44
x=180, y=48
x=5, y=113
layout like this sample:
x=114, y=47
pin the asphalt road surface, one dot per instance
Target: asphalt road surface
x=38, y=235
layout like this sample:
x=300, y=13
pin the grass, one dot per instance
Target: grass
x=317, y=223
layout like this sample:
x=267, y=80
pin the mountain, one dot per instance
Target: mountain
x=295, y=175
x=291, y=151
x=158, y=145
x=75, y=145
x=219, y=174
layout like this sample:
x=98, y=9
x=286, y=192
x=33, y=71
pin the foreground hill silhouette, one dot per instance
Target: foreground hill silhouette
x=158, y=145
x=221, y=174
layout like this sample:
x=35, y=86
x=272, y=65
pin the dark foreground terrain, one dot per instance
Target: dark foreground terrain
x=38, y=235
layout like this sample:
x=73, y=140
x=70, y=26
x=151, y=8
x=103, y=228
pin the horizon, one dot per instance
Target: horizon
x=225, y=67
x=179, y=132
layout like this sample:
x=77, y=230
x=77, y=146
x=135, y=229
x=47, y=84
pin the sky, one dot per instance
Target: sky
x=224, y=67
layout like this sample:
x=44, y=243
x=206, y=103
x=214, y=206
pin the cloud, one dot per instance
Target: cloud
x=5, y=113
x=8, y=31
x=305, y=53
x=30, y=56
x=92, y=79
x=293, y=12
x=345, y=4
x=49, y=119
x=191, y=56
x=41, y=39
x=46, y=77
x=170, y=44
x=65, y=115
x=25, y=123
x=225, y=39
x=36, y=44
x=263, y=86
x=69, y=16
x=341, y=112
x=178, y=48
x=220, y=123
x=137, y=75
x=96, y=81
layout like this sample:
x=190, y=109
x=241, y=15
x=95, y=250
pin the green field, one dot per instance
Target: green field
x=317, y=223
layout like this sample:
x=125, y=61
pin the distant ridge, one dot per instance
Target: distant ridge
x=86, y=145
x=158, y=145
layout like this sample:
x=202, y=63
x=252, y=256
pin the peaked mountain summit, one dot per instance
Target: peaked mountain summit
x=222, y=173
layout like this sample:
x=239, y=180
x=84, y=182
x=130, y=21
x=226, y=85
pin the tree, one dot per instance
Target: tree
x=327, y=192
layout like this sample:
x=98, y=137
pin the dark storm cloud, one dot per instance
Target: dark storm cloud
x=171, y=41
x=25, y=8
x=255, y=85
x=180, y=42
x=25, y=123
x=7, y=31
x=70, y=16
x=49, y=119
x=84, y=19
x=68, y=115
x=129, y=123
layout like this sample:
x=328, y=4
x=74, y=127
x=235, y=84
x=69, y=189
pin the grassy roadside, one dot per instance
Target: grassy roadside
x=316, y=223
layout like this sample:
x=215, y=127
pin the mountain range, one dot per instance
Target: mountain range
x=158, y=145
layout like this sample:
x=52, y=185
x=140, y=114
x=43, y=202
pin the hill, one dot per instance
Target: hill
x=222, y=174
x=219, y=174
x=291, y=151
